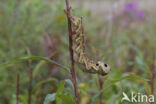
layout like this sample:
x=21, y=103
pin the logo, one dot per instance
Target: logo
x=125, y=97
x=137, y=98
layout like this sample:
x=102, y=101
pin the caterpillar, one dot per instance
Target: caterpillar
x=90, y=66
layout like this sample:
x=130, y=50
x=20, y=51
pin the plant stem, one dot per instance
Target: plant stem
x=38, y=98
x=100, y=85
x=153, y=70
x=99, y=81
x=17, y=88
x=71, y=53
x=30, y=82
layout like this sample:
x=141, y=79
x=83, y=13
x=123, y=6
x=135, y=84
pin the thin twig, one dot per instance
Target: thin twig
x=100, y=81
x=153, y=74
x=37, y=98
x=30, y=82
x=71, y=52
x=17, y=88
x=100, y=87
x=30, y=76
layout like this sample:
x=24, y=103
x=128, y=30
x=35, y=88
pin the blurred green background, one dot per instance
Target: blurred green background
x=121, y=33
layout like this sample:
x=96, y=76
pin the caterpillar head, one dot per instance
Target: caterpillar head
x=103, y=68
x=76, y=21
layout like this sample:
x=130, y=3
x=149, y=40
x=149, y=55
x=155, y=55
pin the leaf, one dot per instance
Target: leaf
x=50, y=98
x=59, y=95
x=141, y=63
x=35, y=88
x=40, y=64
x=34, y=58
x=23, y=99
x=67, y=99
x=59, y=92
x=69, y=82
x=60, y=87
x=135, y=78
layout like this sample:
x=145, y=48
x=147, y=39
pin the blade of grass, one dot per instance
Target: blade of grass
x=41, y=64
x=33, y=58
x=43, y=82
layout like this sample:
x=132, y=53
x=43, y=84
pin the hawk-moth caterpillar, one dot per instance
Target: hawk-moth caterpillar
x=89, y=65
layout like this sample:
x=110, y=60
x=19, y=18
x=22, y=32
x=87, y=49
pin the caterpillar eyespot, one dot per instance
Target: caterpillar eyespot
x=90, y=66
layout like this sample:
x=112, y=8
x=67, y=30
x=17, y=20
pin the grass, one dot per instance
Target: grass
x=129, y=48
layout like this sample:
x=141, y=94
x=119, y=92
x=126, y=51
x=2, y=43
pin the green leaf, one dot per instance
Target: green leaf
x=60, y=96
x=136, y=79
x=40, y=64
x=35, y=88
x=67, y=99
x=33, y=58
x=141, y=63
x=60, y=87
x=23, y=99
x=59, y=92
x=50, y=98
x=69, y=82
x=112, y=82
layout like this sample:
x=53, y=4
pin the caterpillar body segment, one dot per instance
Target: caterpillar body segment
x=90, y=66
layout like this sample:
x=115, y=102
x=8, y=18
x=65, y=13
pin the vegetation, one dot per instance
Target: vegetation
x=35, y=61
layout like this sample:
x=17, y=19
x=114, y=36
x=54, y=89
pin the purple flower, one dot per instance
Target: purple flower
x=133, y=8
x=141, y=14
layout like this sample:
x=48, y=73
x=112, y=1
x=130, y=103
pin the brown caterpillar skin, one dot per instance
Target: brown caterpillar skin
x=90, y=66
